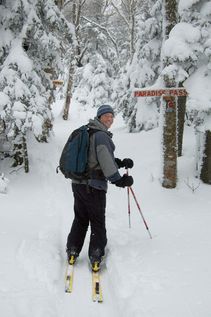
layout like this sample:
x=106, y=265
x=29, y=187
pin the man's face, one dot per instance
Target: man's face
x=107, y=119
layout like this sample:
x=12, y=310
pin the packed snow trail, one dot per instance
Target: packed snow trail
x=36, y=222
x=167, y=275
x=80, y=300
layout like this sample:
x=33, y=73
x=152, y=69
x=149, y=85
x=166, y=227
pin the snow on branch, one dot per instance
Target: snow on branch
x=103, y=29
x=120, y=14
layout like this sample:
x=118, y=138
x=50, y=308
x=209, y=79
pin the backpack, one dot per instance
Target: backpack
x=73, y=162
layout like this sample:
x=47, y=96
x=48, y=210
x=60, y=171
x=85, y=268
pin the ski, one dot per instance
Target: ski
x=69, y=277
x=96, y=288
x=96, y=283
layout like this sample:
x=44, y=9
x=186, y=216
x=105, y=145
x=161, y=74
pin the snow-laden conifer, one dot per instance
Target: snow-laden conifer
x=35, y=39
x=143, y=71
x=196, y=22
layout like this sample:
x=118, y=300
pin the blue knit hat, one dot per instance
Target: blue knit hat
x=104, y=109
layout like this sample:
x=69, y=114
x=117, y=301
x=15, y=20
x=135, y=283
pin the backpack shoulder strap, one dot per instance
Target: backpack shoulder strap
x=91, y=130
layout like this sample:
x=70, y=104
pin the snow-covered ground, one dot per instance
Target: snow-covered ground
x=166, y=276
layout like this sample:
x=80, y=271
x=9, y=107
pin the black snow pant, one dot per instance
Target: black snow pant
x=89, y=208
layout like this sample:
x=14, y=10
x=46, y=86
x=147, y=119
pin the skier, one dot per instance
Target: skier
x=90, y=196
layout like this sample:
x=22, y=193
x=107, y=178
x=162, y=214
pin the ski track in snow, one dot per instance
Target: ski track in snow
x=166, y=276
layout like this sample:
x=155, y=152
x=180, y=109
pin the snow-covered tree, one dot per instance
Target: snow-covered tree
x=187, y=56
x=96, y=53
x=95, y=83
x=195, y=35
x=143, y=71
x=35, y=39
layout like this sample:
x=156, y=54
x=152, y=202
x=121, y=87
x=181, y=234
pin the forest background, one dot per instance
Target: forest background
x=104, y=51
x=101, y=52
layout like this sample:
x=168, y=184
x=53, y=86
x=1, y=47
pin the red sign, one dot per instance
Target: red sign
x=161, y=92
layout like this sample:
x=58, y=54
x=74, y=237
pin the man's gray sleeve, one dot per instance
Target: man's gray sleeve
x=105, y=156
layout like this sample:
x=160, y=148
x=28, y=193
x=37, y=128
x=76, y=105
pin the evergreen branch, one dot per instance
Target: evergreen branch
x=103, y=29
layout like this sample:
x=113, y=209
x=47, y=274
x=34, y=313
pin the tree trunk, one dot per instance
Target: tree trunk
x=181, y=120
x=25, y=155
x=76, y=14
x=68, y=93
x=206, y=162
x=170, y=117
x=132, y=30
x=169, y=143
x=59, y=3
x=20, y=155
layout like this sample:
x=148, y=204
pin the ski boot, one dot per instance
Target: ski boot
x=72, y=255
x=95, y=260
x=95, y=266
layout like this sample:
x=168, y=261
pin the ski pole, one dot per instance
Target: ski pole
x=139, y=208
x=128, y=202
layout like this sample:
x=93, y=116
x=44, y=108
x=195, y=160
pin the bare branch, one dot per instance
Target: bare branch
x=120, y=14
x=192, y=186
x=66, y=3
x=105, y=6
x=83, y=2
x=79, y=58
x=69, y=1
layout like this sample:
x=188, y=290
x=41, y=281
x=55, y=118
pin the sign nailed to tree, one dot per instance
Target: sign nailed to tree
x=168, y=96
x=176, y=92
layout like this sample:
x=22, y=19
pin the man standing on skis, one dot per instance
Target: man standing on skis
x=90, y=196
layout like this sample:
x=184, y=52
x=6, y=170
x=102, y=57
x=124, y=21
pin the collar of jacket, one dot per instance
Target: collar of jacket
x=98, y=125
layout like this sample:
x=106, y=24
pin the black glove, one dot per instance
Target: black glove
x=119, y=162
x=124, y=181
x=127, y=163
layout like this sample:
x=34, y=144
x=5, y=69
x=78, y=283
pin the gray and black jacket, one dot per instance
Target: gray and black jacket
x=101, y=162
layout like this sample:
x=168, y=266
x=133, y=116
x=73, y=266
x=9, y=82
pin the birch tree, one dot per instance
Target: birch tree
x=73, y=13
x=128, y=12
